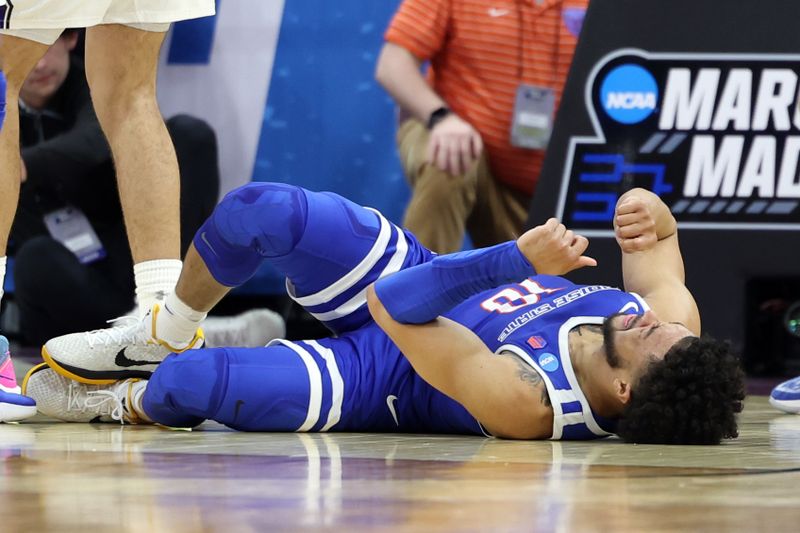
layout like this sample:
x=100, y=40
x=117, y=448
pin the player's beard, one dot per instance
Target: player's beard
x=612, y=357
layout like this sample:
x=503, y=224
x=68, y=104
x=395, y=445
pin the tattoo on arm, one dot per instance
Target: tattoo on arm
x=527, y=374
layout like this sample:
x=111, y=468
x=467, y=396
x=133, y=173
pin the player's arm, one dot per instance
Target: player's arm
x=398, y=71
x=652, y=265
x=454, y=144
x=508, y=399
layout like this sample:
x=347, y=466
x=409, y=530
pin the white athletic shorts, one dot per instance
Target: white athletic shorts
x=44, y=20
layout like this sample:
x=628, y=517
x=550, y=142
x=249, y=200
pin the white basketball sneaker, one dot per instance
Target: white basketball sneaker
x=70, y=401
x=129, y=349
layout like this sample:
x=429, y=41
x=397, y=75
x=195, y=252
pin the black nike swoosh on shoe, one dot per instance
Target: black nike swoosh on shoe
x=123, y=361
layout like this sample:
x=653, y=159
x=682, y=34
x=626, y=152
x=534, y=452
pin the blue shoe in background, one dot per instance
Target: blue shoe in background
x=786, y=396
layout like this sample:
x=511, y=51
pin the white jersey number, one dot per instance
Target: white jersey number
x=511, y=299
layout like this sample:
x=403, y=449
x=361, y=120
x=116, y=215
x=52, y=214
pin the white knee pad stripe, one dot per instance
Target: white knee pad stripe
x=337, y=384
x=315, y=383
x=361, y=298
x=354, y=276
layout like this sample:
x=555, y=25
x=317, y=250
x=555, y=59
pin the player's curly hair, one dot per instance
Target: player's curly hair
x=692, y=396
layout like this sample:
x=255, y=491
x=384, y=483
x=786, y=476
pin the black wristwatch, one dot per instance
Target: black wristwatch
x=437, y=116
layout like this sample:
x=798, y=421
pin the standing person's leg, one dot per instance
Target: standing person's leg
x=500, y=211
x=121, y=67
x=440, y=203
x=18, y=56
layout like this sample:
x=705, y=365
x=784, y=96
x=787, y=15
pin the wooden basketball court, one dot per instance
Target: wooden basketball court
x=99, y=477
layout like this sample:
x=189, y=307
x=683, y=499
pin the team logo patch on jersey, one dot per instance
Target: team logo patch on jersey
x=536, y=342
x=548, y=362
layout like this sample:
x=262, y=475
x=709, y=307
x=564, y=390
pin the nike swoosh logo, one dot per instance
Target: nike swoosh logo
x=239, y=404
x=122, y=360
x=496, y=12
x=203, y=238
x=390, y=404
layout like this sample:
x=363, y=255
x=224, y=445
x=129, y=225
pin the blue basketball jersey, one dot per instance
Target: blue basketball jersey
x=533, y=319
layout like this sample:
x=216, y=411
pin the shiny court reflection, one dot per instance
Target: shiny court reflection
x=68, y=476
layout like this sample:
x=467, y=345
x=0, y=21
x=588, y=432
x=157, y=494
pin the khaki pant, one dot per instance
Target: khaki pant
x=442, y=206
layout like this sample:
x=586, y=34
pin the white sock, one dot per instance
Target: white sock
x=154, y=280
x=2, y=275
x=137, y=393
x=177, y=323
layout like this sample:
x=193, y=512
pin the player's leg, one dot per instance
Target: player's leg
x=303, y=386
x=329, y=248
x=359, y=382
x=121, y=67
x=18, y=56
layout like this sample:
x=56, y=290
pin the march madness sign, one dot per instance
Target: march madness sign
x=716, y=136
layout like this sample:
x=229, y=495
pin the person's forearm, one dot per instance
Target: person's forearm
x=439, y=350
x=398, y=71
x=455, y=361
x=449, y=280
x=415, y=341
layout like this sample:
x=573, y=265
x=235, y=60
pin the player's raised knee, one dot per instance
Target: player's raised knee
x=270, y=216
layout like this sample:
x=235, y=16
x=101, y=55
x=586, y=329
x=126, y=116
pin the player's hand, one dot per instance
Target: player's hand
x=634, y=222
x=553, y=249
x=454, y=145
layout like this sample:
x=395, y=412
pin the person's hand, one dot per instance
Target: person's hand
x=634, y=221
x=454, y=145
x=24, y=171
x=553, y=249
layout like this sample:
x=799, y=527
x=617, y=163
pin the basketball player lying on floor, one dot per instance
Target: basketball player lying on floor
x=488, y=341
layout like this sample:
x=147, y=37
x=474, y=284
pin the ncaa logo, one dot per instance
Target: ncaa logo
x=549, y=362
x=629, y=94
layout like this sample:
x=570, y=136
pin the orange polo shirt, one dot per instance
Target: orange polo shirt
x=480, y=51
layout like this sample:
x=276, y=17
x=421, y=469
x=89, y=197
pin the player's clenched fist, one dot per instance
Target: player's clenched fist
x=553, y=249
x=641, y=219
